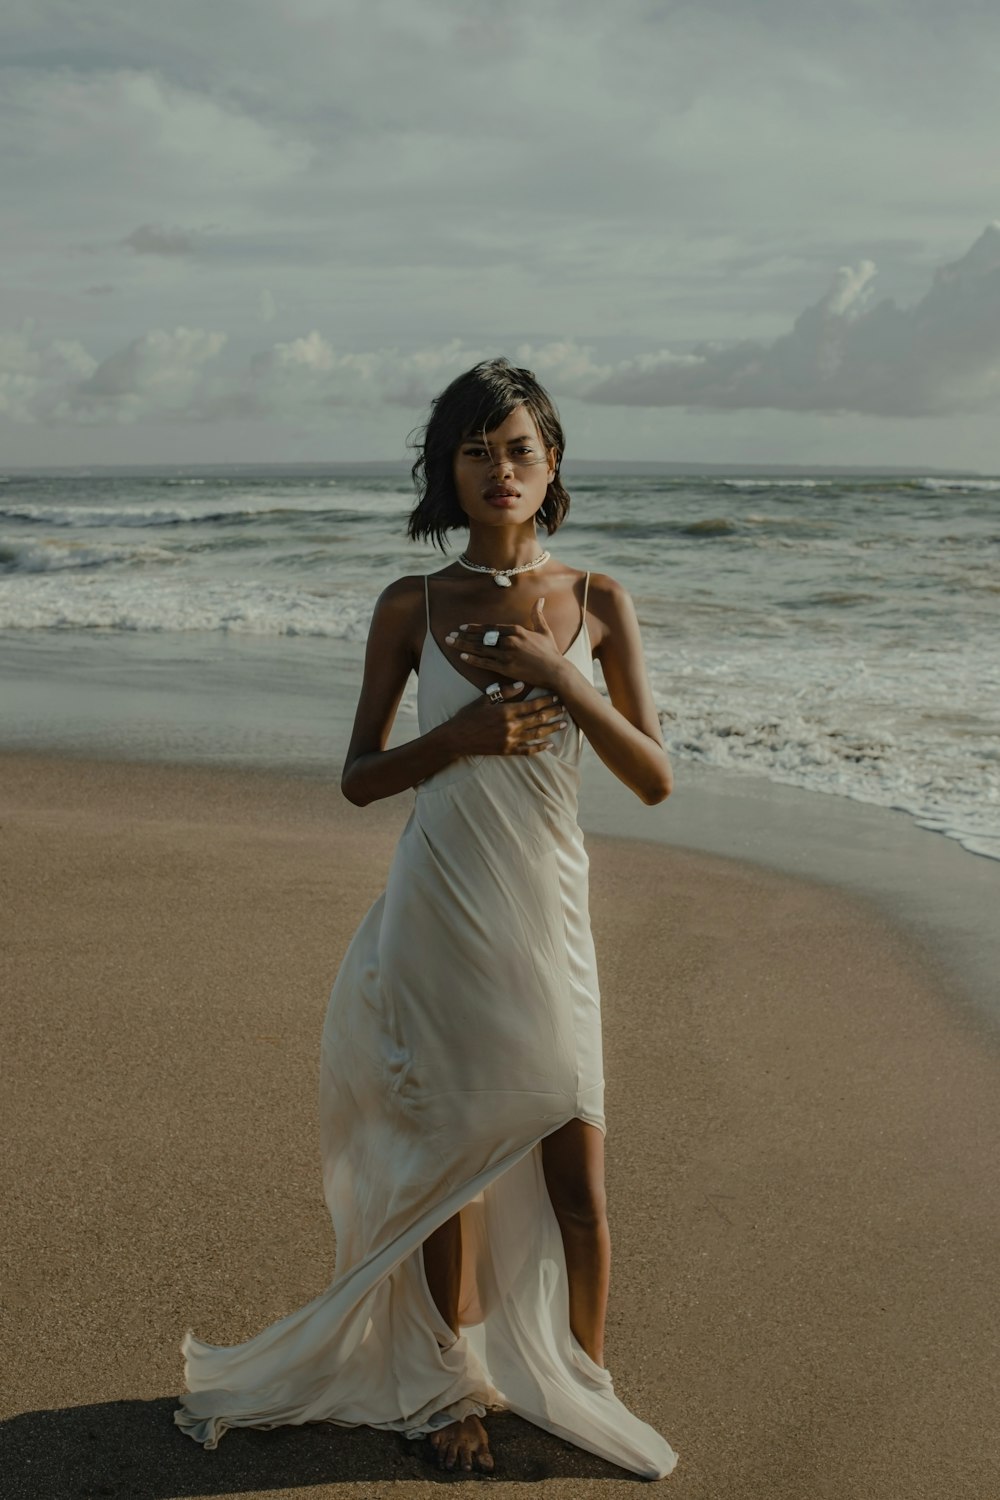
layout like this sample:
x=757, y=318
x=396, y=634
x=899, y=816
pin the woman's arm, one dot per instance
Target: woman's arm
x=481, y=727
x=625, y=732
x=370, y=770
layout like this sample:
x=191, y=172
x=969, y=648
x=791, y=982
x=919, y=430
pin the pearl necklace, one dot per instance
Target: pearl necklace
x=502, y=576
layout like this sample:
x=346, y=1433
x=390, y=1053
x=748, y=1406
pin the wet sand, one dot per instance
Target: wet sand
x=804, y=1129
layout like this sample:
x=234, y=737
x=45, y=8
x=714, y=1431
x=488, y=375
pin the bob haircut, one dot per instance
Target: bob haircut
x=474, y=404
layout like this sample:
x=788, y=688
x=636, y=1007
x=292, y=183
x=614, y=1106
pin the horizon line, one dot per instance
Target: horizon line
x=613, y=465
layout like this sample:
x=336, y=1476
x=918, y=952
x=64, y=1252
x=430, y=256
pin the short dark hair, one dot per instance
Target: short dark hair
x=477, y=402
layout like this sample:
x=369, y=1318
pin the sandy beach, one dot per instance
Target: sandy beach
x=804, y=1127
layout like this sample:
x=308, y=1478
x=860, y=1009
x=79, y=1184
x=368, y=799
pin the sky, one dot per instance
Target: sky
x=273, y=230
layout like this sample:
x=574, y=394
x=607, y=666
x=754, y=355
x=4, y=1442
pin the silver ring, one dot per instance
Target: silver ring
x=494, y=692
x=491, y=637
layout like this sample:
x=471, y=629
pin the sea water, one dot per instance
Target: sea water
x=837, y=634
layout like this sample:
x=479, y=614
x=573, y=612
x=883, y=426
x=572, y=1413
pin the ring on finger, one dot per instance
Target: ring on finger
x=491, y=637
x=494, y=692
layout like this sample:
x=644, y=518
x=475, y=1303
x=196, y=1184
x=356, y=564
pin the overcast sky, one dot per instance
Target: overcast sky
x=254, y=230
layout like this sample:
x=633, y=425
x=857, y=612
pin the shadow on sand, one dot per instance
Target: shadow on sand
x=131, y=1450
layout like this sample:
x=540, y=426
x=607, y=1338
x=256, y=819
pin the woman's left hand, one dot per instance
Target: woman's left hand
x=524, y=652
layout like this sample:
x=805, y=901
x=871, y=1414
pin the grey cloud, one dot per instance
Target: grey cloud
x=607, y=158
x=159, y=374
x=846, y=353
x=158, y=239
x=599, y=185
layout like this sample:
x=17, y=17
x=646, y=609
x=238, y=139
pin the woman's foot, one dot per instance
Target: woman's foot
x=462, y=1445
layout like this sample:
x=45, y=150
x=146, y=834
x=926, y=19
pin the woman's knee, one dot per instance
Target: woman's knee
x=581, y=1204
x=575, y=1180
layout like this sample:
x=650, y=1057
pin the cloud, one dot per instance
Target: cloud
x=161, y=374
x=310, y=374
x=33, y=373
x=156, y=239
x=633, y=177
x=846, y=353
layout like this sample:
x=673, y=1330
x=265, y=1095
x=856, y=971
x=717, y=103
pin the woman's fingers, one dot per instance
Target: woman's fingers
x=532, y=747
x=548, y=723
x=490, y=658
x=537, y=736
x=530, y=706
x=472, y=635
x=540, y=715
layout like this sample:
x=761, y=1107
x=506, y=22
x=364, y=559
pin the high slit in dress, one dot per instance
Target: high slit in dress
x=463, y=1027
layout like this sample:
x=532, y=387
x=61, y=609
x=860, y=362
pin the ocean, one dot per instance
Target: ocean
x=833, y=633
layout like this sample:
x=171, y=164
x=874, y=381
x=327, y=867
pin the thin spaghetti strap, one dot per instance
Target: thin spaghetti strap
x=586, y=587
x=427, y=602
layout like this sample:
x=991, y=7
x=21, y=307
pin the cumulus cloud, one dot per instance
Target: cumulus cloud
x=34, y=372
x=161, y=374
x=158, y=374
x=309, y=373
x=847, y=352
x=157, y=239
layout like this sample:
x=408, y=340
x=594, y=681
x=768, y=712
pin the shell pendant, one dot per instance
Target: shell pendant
x=501, y=580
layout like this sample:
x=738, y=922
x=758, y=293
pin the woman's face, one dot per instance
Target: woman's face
x=503, y=479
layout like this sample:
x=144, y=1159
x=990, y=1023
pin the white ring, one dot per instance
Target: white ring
x=494, y=692
x=491, y=637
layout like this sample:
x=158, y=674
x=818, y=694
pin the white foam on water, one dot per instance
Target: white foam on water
x=973, y=486
x=218, y=508
x=53, y=555
x=839, y=642
x=880, y=730
x=163, y=603
x=778, y=484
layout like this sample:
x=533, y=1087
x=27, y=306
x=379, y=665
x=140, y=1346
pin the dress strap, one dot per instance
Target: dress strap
x=427, y=602
x=586, y=587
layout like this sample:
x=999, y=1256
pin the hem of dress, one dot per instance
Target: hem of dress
x=208, y=1429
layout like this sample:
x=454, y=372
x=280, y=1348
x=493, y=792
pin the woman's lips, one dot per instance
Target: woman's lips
x=501, y=501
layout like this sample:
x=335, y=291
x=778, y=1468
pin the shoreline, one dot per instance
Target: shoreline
x=802, y=1151
x=943, y=896
x=287, y=704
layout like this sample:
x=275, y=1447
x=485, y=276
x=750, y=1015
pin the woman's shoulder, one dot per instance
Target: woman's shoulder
x=399, y=611
x=605, y=590
x=610, y=611
x=401, y=594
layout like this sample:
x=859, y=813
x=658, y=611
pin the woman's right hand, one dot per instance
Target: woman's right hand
x=486, y=728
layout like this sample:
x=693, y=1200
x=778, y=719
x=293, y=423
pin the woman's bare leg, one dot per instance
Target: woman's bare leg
x=573, y=1161
x=464, y=1444
x=443, y=1268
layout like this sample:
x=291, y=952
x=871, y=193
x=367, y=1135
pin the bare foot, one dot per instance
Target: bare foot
x=462, y=1445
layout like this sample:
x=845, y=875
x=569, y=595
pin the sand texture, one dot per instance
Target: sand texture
x=803, y=1155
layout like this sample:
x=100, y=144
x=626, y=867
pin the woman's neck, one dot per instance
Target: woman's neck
x=498, y=547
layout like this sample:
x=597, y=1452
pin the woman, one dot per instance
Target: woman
x=461, y=1096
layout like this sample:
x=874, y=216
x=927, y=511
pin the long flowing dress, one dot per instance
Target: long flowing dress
x=463, y=1028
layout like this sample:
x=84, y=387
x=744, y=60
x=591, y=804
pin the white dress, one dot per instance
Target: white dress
x=463, y=1027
